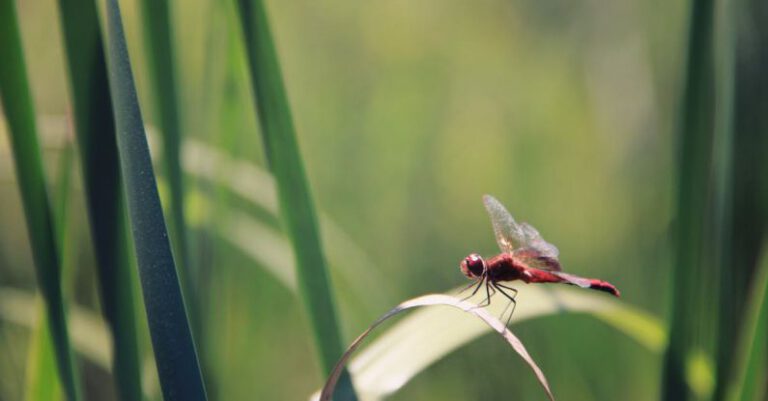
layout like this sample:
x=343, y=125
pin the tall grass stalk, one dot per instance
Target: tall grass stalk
x=749, y=177
x=157, y=35
x=729, y=306
x=693, y=292
x=747, y=380
x=296, y=207
x=20, y=115
x=42, y=383
x=175, y=354
x=95, y=128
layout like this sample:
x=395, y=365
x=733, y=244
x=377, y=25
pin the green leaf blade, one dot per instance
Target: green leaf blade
x=296, y=206
x=20, y=116
x=95, y=129
x=750, y=357
x=413, y=344
x=174, y=349
x=440, y=299
x=694, y=294
x=158, y=39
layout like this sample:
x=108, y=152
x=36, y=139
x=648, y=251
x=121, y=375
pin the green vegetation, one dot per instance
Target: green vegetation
x=296, y=208
x=319, y=163
x=20, y=117
x=156, y=16
x=172, y=343
x=95, y=130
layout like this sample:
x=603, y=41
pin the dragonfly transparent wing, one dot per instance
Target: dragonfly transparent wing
x=535, y=251
x=509, y=234
x=534, y=258
x=576, y=280
x=532, y=239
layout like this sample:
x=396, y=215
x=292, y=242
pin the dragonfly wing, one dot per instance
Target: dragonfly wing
x=532, y=239
x=509, y=234
x=576, y=280
x=535, y=251
x=535, y=258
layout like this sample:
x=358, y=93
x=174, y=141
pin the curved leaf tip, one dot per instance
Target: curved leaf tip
x=430, y=300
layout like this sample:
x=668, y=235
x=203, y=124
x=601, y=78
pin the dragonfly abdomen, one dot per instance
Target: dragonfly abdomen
x=601, y=285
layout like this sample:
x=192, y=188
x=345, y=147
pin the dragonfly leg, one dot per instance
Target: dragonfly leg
x=479, y=284
x=506, y=288
x=511, y=298
x=504, y=312
x=489, y=292
x=470, y=285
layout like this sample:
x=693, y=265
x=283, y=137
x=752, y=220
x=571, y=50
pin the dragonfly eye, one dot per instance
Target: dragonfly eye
x=473, y=266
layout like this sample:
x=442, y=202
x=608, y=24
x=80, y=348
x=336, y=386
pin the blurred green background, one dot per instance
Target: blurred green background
x=406, y=112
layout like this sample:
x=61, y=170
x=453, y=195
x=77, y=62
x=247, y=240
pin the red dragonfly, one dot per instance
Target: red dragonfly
x=524, y=256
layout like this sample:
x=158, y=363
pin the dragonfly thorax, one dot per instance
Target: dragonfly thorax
x=473, y=266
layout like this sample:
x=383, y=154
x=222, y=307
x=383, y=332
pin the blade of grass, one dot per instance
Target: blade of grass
x=750, y=357
x=750, y=172
x=694, y=292
x=62, y=193
x=740, y=143
x=431, y=300
x=749, y=178
x=42, y=383
x=296, y=207
x=731, y=269
x=410, y=346
x=157, y=37
x=95, y=129
x=174, y=349
x=20, y=115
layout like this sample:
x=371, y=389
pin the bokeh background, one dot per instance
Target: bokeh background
x=407, y=112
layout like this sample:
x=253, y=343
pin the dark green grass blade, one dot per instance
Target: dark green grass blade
x=95, y=129
x=174, y=349
x=157, y=34
x=750, y=197
x=42, y=383
x=751, y=358
x=19, y=112
x=296, y=208
x=729, y=305
x=693, y=290
x=742, y=140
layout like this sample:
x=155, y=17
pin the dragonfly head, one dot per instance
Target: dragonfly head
x=473, y=266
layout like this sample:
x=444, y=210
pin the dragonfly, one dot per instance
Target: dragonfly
x=524, y=256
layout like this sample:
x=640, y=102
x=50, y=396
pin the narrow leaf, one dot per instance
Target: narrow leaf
x=175, y=355
x=410, y=346
x=296, y=207
x=95, y=128
x=157, y=21
x=20, y=115
x=749, y=184
x=694, y=297
x=42, y=383
x=430, y=300
x=751, y=371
